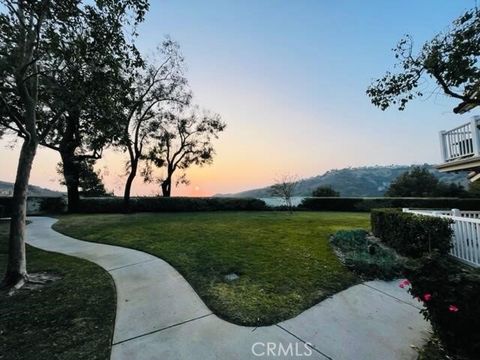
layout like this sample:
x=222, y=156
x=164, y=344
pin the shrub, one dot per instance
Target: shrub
x=53, y=205
x=367, y=204
x=450, y=292
x=6, y=203
x=325, y=191
x=412, y=235
x=172, y=204
x=365, y=256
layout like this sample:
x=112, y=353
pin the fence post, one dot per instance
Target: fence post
x=456, y=212
x=443, y=146
x=475, y=135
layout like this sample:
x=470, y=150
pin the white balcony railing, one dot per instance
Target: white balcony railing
x=466, y=232
x=461, y=142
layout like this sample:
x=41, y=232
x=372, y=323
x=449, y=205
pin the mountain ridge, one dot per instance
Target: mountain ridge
x=366, y=181
x=6, y=189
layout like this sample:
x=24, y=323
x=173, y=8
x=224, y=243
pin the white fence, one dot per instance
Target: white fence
x=461, y=142
x=466, y=232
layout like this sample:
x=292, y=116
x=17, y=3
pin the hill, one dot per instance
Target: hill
x=6, y=189
x=356, y=182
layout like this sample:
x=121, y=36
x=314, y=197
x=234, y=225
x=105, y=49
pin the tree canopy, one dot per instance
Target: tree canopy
x=183, y=140
x=31, y=37
x=450, y=59
x=420, y=182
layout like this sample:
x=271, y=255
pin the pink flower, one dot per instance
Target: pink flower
x=452, y=308
x=404, y=283
x=427, y=297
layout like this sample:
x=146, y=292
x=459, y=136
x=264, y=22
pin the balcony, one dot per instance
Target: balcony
x=460, y=147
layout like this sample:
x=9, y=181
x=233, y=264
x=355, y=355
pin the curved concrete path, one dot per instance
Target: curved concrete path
x=159, y=315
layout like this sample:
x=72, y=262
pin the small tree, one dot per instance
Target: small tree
x=285, y=188
x=183, y=141
x=325, y=191
x=450, y=59
x=90, y=182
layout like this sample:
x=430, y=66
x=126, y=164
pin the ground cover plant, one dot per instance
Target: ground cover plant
x=70, y=318
x=284, y=261
x=366, y=256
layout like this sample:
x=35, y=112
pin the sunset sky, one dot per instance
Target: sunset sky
x=289, y=79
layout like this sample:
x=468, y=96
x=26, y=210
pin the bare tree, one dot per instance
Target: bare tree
x=183, y=141
x=284, y=188
x=159, y=85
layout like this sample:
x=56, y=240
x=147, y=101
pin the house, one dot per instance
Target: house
x=460, y=149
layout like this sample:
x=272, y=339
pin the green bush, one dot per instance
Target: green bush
x=367, y=204
x=411, y=235
x=172, y=204
x=365, y=256
x=450, y=293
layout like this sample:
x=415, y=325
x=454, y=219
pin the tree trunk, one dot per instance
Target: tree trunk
x=71, y=170
x=128, y=184
x=72, y=179
x=16, y=272
x=167, y=187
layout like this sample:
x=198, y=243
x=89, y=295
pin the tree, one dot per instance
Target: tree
x=183, y=141
x=419, y=182
x=325, y=191
x=159, y=85
x=90, y=182
x=285, y=188
x=85, y=93
x=450, y=59
x=28, y=33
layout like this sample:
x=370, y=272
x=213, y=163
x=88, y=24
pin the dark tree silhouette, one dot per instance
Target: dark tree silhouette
x=183, y=141
x=90, y=182
x=160, y=85
x=29, y=32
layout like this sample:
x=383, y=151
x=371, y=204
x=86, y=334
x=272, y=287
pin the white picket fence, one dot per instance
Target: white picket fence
x=466, y=232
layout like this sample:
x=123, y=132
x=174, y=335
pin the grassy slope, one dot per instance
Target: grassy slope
x=284, y=261
x=71, y=318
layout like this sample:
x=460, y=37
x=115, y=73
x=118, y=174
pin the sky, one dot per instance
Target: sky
x=289, y=79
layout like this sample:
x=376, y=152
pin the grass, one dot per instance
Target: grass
x=284, y=261
x=71, y=318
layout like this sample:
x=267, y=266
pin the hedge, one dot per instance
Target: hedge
x=367, y=204
x=172, y=204
x=412, y=235
x=450, y=293
x=36, y=205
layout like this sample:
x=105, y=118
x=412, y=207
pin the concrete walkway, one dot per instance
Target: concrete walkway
x=159, y=315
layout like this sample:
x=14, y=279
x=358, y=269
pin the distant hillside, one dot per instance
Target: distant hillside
x=353, y=182
x=6, y=189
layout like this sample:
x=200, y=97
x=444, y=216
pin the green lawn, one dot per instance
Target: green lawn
x=284, y=260
x=71, y=318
